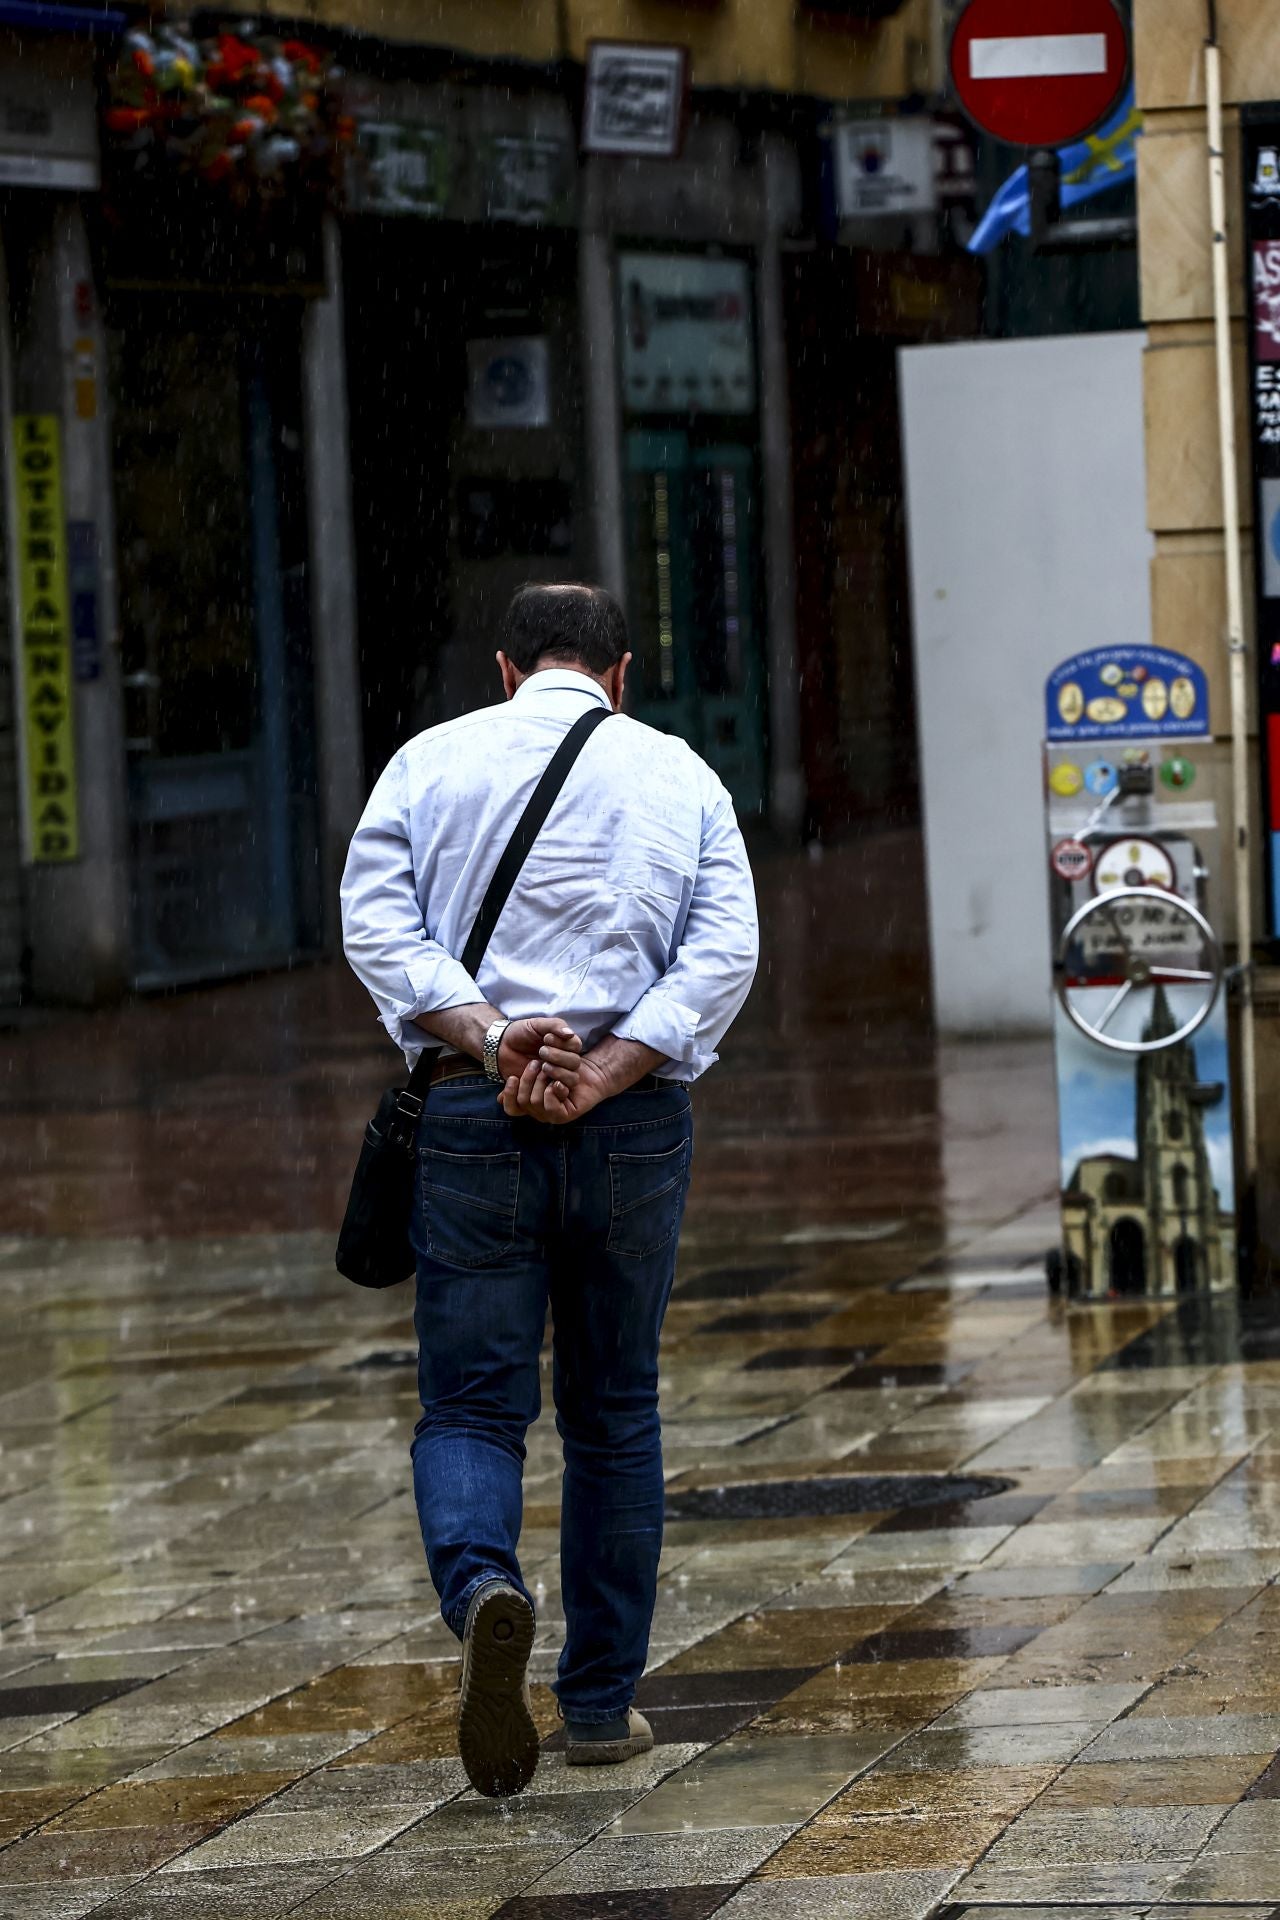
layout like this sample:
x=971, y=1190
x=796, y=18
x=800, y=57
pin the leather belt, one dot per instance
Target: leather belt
x=454, y=1069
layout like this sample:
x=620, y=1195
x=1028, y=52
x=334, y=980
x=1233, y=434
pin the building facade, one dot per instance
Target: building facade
x=337, y=336
x=1184, y=488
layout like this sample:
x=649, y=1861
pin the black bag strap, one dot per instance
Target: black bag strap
x=515, y=853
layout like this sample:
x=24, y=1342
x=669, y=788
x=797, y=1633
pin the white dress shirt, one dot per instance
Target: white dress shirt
x=634, y=913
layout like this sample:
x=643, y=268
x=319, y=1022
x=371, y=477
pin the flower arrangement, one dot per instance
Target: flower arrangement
x=245, y=110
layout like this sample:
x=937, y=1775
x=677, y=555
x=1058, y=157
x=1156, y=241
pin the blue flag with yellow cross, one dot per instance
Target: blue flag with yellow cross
x=1107, y=158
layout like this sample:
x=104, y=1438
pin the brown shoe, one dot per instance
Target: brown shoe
x=607, y=1753
x=497, y=1739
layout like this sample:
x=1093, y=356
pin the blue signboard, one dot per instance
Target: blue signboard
x=1127, y=693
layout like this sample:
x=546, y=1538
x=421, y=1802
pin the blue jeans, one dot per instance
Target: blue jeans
x=511, y=1216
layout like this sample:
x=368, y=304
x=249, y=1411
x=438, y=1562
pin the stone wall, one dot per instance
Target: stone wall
x=1184, y=487
x=768, y=44
x=1183, y=466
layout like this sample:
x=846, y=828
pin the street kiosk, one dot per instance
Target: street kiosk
x=1140, y=1020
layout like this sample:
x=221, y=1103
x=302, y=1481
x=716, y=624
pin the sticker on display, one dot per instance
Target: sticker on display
x=1135, y=692
x=1071, y=860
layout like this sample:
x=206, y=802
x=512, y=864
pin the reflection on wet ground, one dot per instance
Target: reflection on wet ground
x=983, y=1624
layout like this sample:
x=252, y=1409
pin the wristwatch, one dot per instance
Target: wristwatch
x=492, y=1041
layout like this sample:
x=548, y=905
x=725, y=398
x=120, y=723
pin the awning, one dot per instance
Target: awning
x=47, y=16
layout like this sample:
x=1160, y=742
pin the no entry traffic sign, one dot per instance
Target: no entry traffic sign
x=1038, y=73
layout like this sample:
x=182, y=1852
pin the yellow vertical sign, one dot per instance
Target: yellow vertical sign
x=52, y=824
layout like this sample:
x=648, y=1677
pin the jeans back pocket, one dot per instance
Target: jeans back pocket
x=646, y=1199
x=469, y=1205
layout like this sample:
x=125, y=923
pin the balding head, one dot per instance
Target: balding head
x=566, y=625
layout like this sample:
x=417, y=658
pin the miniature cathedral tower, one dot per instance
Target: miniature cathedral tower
x=1189, y=1245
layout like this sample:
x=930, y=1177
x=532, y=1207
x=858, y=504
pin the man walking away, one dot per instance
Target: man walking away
x=554, y=1150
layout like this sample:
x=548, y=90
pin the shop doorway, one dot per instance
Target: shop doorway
x=466, y=436
x=847, y=314
x=690, y=457
x=212, y=542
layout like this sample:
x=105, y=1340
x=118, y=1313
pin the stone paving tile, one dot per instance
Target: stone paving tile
x=620, y=1860
x=69, y=1900
x=643, y=1903
x=882, y=1843
x=1040, y=1706
x=229, y=1893
x=430, y=1886
x=149, y=1803
x=986, y=1746
x=1228, y=1733
x=854, y=1896
x=1132, y=1884
x=552, y=1821
x=1104, y=1835
x=265, y=1838
x=50, y=1855
x=1228, y=1877
x=1219, y=1780
x=983, y=1911
x=753, y=1783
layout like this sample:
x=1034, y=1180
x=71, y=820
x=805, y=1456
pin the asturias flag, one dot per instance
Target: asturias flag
x=1105, y=159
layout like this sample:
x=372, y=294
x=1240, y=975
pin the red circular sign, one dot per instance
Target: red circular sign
x=1038, y=73
x=1072, y=860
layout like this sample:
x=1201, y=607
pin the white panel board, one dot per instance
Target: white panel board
x=1026, y=513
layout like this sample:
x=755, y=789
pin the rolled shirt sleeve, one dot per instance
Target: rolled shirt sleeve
x=383, y=931
x=687, y=1013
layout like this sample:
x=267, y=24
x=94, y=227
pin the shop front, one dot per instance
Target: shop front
x=215, y=634
x=211, y=250
x=464, y=376
x=63, y=882
x=689, y=398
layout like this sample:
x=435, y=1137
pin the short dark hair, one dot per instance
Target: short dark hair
x=572, y=622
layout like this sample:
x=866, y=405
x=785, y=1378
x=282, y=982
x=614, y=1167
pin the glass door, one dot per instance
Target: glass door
x=214, y=686
x=692, y=592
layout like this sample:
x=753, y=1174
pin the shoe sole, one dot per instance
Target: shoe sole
x=497, y=1740
x=605, y=1753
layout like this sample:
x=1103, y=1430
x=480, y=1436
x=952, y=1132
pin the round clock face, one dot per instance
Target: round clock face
x=1134, y=863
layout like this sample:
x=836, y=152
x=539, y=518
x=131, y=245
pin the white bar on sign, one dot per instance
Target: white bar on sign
x=1037, y=56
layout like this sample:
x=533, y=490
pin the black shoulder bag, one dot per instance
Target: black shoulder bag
x=374, y=1248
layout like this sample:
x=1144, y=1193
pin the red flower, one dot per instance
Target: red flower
x=234, y=57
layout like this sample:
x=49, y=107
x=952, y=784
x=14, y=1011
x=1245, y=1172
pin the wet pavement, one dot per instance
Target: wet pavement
x=966, y=1604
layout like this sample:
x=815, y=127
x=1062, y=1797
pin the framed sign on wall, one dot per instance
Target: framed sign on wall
x=635, y=99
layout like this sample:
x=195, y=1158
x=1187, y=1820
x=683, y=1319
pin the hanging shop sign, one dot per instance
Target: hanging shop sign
x=885, y=166
x=509, y=383
x=1140, y=693
x=1260, y=165
x=687, y=342
x=48, y=118
x=635, y=99
x=51, y=825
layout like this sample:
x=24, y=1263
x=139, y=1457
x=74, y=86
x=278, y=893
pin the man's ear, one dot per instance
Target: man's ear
x=511, y=674
x=617, y=681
